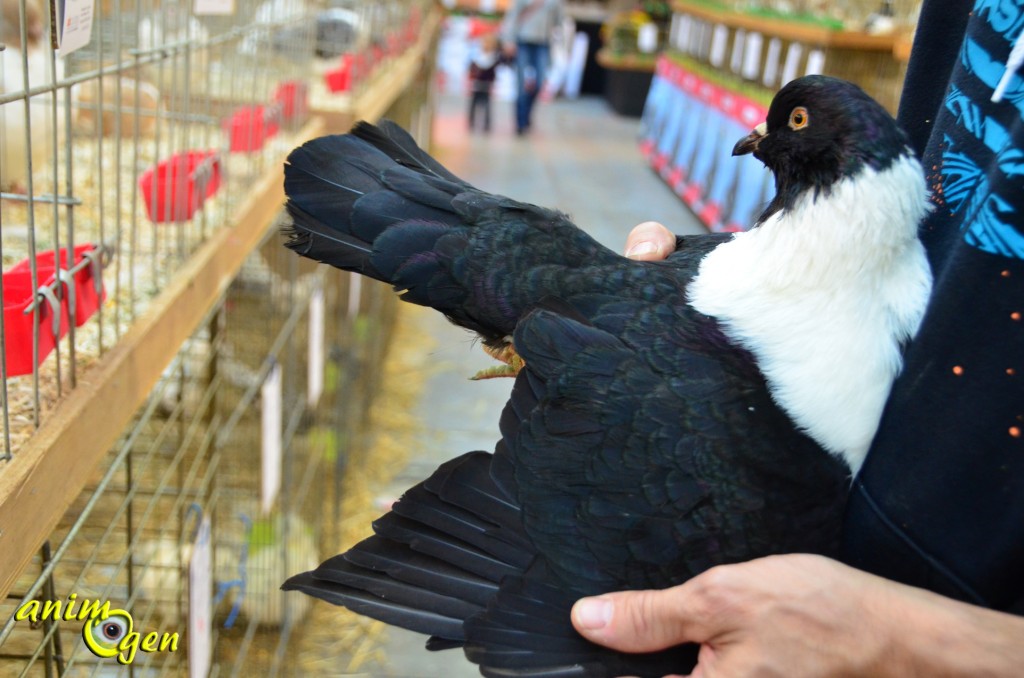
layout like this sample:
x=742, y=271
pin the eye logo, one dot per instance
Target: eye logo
x=108, y=633
x=103, y=634
x=112, y=634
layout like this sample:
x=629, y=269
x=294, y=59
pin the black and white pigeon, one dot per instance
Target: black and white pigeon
x=671, y=416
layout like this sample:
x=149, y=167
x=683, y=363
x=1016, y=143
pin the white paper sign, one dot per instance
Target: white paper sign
x=213, y=7
x=718, y=45
x=200, y=608
x=771, y=65
x=355, y=294
x=704, y=44
x=685, y=34
x=271, y=447
x=647, y=38
x=315, y=364
x=696, y=35
x=815, y=62
x=736, y=58
x=74, y=22
x=752, y=56
x=789, y=69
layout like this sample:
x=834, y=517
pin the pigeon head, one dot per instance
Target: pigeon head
x=820, y=130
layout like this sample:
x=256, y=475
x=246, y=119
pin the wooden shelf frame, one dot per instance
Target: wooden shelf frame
x=626, y=62
x=795, y=31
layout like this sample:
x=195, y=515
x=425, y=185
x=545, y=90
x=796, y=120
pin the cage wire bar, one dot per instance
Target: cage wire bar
x=194, y=452
x=81, y=130
x=162, y=86
x=89, y=138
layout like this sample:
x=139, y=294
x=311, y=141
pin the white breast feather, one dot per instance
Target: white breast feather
x=823, y=295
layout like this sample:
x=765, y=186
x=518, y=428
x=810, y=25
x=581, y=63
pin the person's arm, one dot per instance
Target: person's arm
x=804, y=615
x=509, y=25
x=560, y=15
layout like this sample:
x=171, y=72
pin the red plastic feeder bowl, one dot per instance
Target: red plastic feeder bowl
x=176, y=188
x=293, y=97
x=249, y=128
x=377, y=54
x=18, y=325
x=88, y=292
x=340, y=79
x=393, y=44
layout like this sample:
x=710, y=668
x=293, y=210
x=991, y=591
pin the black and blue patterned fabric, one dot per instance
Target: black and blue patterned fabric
x=940, y=500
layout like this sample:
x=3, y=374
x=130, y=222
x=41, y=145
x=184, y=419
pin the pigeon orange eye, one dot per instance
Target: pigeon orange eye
x=798, y=119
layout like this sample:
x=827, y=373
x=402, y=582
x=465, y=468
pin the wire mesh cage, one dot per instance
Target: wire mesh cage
x=192, y=462
x=138, y=144
x=122, y=157
x=129, y=162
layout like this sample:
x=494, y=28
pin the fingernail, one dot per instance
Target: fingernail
x=642, y=248
x=593, y=613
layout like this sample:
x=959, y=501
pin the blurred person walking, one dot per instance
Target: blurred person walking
x=526, y=34
x=482, y=72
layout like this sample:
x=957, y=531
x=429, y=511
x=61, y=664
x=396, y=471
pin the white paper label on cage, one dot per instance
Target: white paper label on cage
x=213, y=7
x=355, y=293
x=74, y=17
x=271, y=447
x=752, y=56
x=647, y=38
x=736, y=58
x=200, y=592
x=789, y=69
x=771, y=62
x=315, y=363
x=488, y=6
x=718, y=45
x=815, y=62
x=684, y=37
x=693, y=46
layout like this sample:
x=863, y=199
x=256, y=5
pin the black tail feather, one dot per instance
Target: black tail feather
x=326, y=176
x=344, y=192
x=368, y=604
x=481, y=259
x=316, y=240
x=399, y=145
x=340, y=571
x=402, y=563
x=427, y=540
x=428, y=509
x=463, y=572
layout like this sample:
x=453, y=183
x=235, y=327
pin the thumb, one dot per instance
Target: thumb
x=649, y=241
x=633, y=621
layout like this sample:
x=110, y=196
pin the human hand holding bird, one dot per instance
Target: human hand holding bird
x=671, y=417
x=806, y=616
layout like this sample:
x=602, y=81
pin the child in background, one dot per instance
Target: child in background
x=482, y=70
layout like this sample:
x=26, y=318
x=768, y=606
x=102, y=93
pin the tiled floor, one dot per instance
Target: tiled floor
x=580, y=158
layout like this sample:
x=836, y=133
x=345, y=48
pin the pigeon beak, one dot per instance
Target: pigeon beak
x=749, y=143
